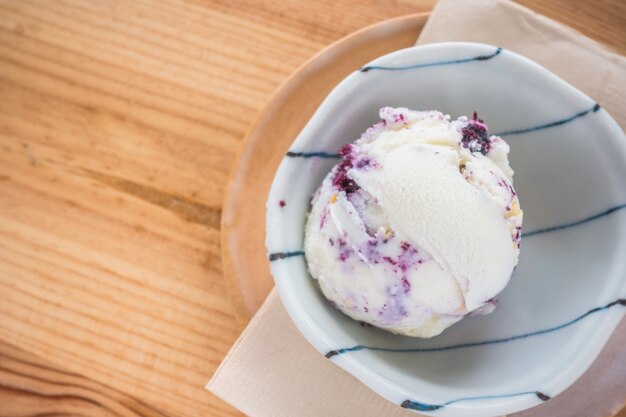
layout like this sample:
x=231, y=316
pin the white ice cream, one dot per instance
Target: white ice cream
x=418, y=226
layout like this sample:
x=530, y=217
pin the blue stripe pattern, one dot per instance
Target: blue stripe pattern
x=592, y=109
x=433, y=64
x=576, y=223
x=313, y=155
x=578, y=115
x=282, y=255
x=621, y=301
x=417, y=406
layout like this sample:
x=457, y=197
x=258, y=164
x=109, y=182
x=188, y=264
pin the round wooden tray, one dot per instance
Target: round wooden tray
x=246, y=267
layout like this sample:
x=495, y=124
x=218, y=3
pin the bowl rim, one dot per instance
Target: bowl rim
x=351, y=363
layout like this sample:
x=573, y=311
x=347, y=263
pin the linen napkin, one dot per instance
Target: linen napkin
x=272, y=371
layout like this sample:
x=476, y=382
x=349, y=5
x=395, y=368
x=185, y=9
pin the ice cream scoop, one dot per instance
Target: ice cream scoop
x=419, y=224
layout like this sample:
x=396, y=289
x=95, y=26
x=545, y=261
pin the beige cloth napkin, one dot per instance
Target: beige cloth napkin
x=273, y=372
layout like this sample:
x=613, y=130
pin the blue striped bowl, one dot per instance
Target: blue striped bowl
x=568, y=293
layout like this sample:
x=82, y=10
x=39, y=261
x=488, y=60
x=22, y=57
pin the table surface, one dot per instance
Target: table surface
x=119, y=122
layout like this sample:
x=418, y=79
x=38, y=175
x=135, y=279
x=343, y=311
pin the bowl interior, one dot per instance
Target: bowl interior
x=569, y=159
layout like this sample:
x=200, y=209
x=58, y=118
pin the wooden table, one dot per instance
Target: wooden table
x=119, y=121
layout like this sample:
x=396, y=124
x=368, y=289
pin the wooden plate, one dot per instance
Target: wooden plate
x=245, y=263
x=244, y=258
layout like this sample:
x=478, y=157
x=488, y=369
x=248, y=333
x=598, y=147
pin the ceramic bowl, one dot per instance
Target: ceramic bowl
x=568, y=292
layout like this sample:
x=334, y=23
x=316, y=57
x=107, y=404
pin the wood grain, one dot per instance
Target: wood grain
x=119, y=122
x=30, y=386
